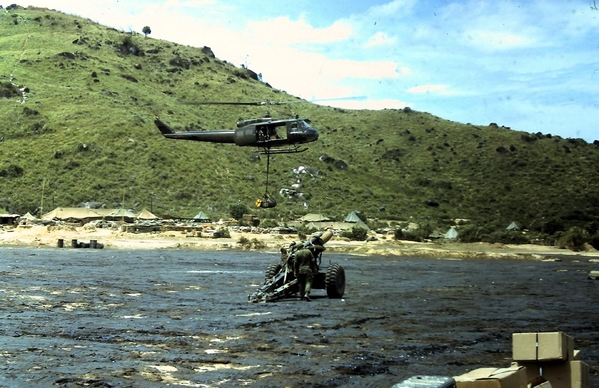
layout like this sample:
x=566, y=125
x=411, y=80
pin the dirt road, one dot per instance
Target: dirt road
x=114, y=318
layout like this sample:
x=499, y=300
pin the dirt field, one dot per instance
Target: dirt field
x=119, y=318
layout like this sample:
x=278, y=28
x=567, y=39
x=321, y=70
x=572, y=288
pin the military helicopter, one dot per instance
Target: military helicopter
x=268, y=135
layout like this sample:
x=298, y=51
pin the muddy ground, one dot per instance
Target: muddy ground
x=113, y=318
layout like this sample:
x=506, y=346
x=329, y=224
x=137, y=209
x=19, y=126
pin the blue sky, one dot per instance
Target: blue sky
x=526, y=64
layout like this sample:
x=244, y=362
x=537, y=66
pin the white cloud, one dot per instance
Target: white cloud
x=284, y=31
x=432, y=89
x=394, y=8
x=380, y=39
x=188, y=3
x=494, y=40
x=367, y=104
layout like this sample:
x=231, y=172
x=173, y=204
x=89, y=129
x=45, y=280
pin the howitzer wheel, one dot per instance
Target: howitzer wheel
x=335, y=281
x=272, y=270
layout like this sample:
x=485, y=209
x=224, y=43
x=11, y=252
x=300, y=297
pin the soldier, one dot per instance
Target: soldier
x=303, y=268
x=284, y=255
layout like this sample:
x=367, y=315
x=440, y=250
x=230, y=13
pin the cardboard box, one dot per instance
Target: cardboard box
x=551, y=346
x=512, y=377
x=570, y=374
x=539, y=382
x=555, y=346
x=524, y=346
x=533, y=369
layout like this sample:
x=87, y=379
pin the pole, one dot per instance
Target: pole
x=42, y=204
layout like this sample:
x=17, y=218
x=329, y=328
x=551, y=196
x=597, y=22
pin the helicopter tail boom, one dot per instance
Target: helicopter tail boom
x=163, y=127
x=226, y=136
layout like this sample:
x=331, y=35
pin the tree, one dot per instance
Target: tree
x=146, y=30
x=238, y=210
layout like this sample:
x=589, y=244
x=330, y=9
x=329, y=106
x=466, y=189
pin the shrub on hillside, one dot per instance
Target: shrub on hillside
x=238, y=210
x=573, y=239
x=355, y=234
x=398, y=234
x=594, y=241
x=254, y=243
x=506, y=237
x=224, y=232
x=470, y=233
x=269, y=223
x=303, y=232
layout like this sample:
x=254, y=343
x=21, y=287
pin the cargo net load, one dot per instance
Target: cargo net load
x=280, y=281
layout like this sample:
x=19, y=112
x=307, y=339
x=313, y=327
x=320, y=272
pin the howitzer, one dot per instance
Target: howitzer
x=280, y=282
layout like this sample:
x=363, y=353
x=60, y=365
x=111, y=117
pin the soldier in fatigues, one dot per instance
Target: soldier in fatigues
x=304, y=266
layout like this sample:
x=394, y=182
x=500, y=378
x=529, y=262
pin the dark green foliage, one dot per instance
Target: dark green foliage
x=243, y=241
x=355, y=234
x=303, y=232
x=398, y=234
x=573, y=239
x=8, y=90
x=471, y=233
x=269, y=223
x=505, y=237
x=254, y=243
x=12, y=171
x=223, y=232
x=594, y=241
x=238, y=210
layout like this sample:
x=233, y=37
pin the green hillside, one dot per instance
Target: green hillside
x=77, y=103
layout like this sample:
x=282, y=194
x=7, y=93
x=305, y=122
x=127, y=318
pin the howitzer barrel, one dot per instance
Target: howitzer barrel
x=326, y=236
x=319, y=238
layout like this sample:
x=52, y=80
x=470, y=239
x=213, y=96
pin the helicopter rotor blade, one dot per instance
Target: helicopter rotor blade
x=219, y=103
x=255, y=103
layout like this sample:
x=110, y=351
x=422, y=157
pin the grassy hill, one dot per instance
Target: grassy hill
x=77, y=103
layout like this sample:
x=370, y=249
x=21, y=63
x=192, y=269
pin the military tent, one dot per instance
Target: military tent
x=201, y=217
x=336, y=225
x=76, y=214
x=146, y=215
x=313, y=217
x=120, y=215
x=451, y=234
x=352, y=217
x=28, y=216
x=104, y=212
x=513, y=226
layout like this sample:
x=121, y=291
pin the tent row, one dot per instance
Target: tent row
x=319, y=221
x=86, y=214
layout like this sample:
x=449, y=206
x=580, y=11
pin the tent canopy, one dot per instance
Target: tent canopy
x=513, y=226
x=77, y=213
x=201, y=216
x=313, y=217
x=28, y=216
x=451, y=234
x=121, y=213
x=146, y=215
x=352, y=217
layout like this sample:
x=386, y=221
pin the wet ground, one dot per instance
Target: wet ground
x=112, y=318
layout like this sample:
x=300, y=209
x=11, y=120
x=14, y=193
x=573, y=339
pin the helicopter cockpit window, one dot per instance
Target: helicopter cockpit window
x=298, y=127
